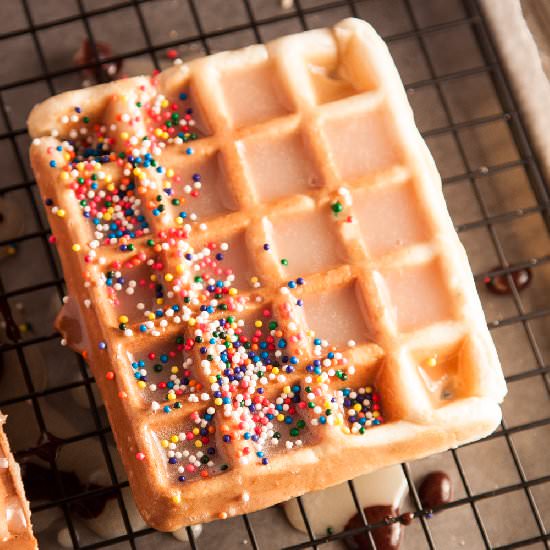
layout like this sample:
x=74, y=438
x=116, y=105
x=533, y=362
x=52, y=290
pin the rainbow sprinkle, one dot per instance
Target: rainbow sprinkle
x=261, y=394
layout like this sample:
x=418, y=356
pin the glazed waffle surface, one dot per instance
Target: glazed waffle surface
x=262, y=274
x=15, y=523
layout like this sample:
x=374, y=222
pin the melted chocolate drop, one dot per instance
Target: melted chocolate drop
x=387, y=537
x=499, y=283
x=406, y=518
x=435, y=490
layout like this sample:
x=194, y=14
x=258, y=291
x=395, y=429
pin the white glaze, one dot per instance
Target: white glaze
x=334, y=507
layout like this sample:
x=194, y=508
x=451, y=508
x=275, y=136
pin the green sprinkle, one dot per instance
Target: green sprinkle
x=337, y=207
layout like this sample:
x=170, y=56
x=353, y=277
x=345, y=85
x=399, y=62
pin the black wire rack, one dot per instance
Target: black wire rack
x=304, y=14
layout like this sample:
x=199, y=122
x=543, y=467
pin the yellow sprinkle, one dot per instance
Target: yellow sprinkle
x=174, y=370
x=192, y=322
x=180, y=268
x=179, y=220
x=108, y=178
x=431, y=361
x=141, y=384
x=76, y=247
x=376, y=414
x=233, y=291
x=164, y=443
x=253, y=280
x=169, y=173
x=123, y=319
x=198, y=443
x=196, y=431
x=151, y=316
x=174, y=439
x=346, y=430
x=168, y=277
x=107, y=216
x=164, y=103
x=111, y=187
x=212, y=379
x=218, y=401
x=61, y=213
x=64, y=176
x=368, y=389
x=158, y=132
x=124, y=135
x=275, y=370
x=280, y=417
x=176, y=499
x=286, y=389
x=171, y=397
x=357, y=407
x=258, y=324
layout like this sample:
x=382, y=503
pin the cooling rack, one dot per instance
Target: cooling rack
x=494, y=188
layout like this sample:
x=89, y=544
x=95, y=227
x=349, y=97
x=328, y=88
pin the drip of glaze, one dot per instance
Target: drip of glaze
x=498, y=284
x=387, y=537
x=435, y=490
x=104, y=72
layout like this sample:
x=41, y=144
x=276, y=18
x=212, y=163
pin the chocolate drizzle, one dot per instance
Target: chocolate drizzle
x=46, y=448
x=387, y=537
x=41, y=482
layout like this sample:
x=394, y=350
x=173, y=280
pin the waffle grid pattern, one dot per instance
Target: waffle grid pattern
x=469, y=367
x=489, y=65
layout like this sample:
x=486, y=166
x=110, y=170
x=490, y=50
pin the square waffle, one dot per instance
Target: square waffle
x=15, y=516
x=263, y=274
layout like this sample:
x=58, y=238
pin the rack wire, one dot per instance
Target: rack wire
x=521, y=317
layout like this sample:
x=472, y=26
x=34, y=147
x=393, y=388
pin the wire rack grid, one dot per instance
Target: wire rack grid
x=439, y=83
